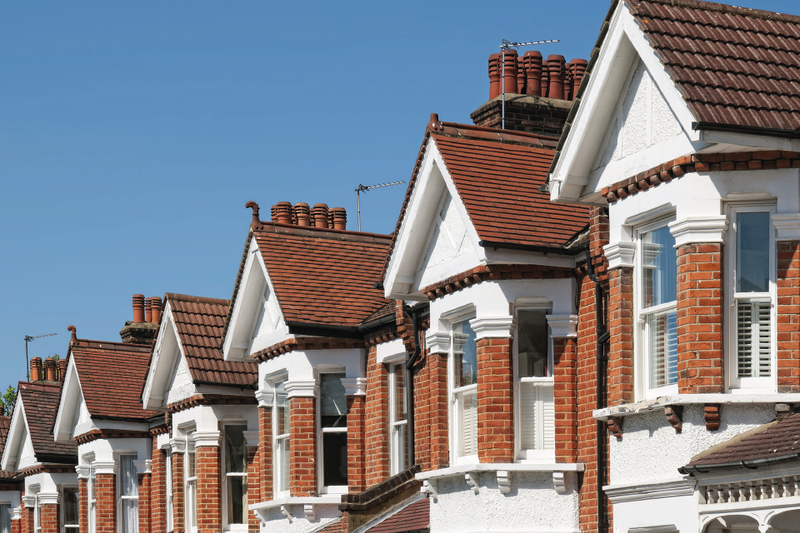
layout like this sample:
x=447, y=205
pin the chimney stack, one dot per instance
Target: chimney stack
x=141, y=330
x=50, y=369
x=62, y=369
x=36, y=369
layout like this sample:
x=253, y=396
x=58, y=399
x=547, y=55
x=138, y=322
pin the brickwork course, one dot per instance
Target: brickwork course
x=789, y=316
x=495, y=401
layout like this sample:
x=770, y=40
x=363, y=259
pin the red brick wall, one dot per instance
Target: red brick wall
x=106, y=503
x=158, y=490
x=209, y=499
x=265, y=453
x=303, y=448
x=356, y=471
x=788, y=328
x=26, y=518
x=495, y=401
x=700, y=319
x=435, y=397
x=16, y=526
x=565, y=366
x=144, y=502
x=83, y=504
x=620, y=326
x=49, y=516
x=177, y=492
x=376, y=424
x=253, y=487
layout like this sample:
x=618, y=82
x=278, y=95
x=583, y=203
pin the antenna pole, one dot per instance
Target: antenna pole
x=507, y=45
x=366, y=188
x=358, y=206
x=29, y=338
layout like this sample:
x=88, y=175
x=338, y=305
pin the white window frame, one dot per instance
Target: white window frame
x=326, y=489
x=37, y=510
x=280, y=464
x=170, y=491
x=453, y=392
x=749, y=385
x=640, y=314
x=541, y=453
x=189, y=503
x=398, y=441
x=91, y=495
x=227, y=526
x=62, y=522
x=120, y=497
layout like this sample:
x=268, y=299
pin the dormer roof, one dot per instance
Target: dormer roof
x=39, y=405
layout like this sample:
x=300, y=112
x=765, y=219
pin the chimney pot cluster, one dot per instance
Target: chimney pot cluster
x=48, y=370
x=319, y=216
x=146, y=309
x=552, y=78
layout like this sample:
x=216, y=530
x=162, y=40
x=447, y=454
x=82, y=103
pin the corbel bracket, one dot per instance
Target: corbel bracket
x=504, y=481
x=713, y=416
x=559, y=482
x=309, y=511
x=429, y=489
x=674, y=415
x=469, y=477
x=285, y=512
x=615, y=426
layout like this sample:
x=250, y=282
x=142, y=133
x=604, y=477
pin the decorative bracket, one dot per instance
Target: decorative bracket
x=429, y=489
x=713, y=416
x=559, y=482
x=503, y=481
x=615, y=426
x=675, y=417
x=309, y=511
x=469, y=477
x=285, y=512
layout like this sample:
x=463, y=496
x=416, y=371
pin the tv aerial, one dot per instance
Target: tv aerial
x=507, y=45
x=28, y=339
x=365, y=188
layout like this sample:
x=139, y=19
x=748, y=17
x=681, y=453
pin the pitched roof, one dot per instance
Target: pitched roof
x=322, y=276
x=5, y=422
x=773, y=442
x=734, y=66
x=414, y=517
x=111, y=376
x=200, y=322
x=40, y=402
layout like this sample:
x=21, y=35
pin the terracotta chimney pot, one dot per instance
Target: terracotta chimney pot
x=578, y=71
x=520, y=76
x=532, y=61
x=545, y=81
x=148, y=310
x=284, y=212
x=36, y=369
x=138, y=308
x=274, y=213
x=50, y=369
x=303, y=214
x=339, y=216
x=494, y=76
x=320, y=215
x=156, y=308
x=556, y=67
x=510, y=71
x=62, y=369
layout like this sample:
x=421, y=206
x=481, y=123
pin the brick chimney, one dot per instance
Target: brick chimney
x=539, y=93
x=143, y=328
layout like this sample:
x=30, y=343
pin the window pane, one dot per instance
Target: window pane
x=283, y=460
x=753, y=338
x=752, y=252
x=128, y=477
x=398, y=383
x=334, y=401
x=130, y=516
x=70, y=505
x=465, y=352
x=334, y=447
x=5, y=519
x=468, y=422
x=663, y=344
x=399, y=443
x=282, y=406
x=537, y=415
x=534, y=339
x=235, y=449
x=236, y=497
x=659, y=268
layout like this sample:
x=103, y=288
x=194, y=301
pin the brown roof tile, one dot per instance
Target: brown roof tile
x=40, y=402
x=776, y=441
x=736, y=67
x=200, y=322
x=414, y=517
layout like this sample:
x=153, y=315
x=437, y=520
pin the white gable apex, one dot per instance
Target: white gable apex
x=630, y=118
x=73, y=416
x=436, y=238
x=256, y=320
x=181, y=385
x=165, y=363
x=18, y=452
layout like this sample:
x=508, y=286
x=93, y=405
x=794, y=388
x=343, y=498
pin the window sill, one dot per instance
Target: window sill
x=494, y=467
x=656, y=404
x=331, y=499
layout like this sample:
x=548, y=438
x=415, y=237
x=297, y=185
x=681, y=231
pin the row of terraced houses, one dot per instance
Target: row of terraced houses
x=586, y=320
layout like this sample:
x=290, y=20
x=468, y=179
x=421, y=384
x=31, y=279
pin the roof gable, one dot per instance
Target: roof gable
x=72, y=417
x=180, y=385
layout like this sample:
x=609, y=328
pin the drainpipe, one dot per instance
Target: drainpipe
x=411, y=360
x=603, y=336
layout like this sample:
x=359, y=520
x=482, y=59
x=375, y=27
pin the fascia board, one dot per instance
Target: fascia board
x=68, y=404
x=14, y=437
x=237, y=305
x=748, y=141
x=162, y=364
x=281, y=331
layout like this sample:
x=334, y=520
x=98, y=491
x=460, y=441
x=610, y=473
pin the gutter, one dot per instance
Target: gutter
x=752, y=465
x=529, y=247
x=332, y=330
x=750, y=130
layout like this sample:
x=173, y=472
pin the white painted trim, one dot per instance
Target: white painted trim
x=328, y=499
x=264, y=398
x=386, y=515
x=251, y=438
x=787, y=226
x=178, y=445
x=620, y=254
x=48, y=498
x=635, y=492
x=460, y=470
x=494, y=327
x=297, y=388
x=563, y=326
x=657, y=404
x=438, y=341
x=387, y=352
x=104, y=467
x=207, y=438
x=83, y=471
x=355, y=386
x=702, y=229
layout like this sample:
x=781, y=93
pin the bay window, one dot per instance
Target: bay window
x=751, y=251
x=235, y=474
x=280, y=439
x=128, y=495
x=656, y=301
x=463, y=391
x=398, y=458
x=333, y=432
x=534, y=385
x=69, y=510
x=190, y=482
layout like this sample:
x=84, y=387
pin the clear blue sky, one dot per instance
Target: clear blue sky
x=133, y=133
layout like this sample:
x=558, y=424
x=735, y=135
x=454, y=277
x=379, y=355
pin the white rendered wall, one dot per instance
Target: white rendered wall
x=533, y=505
x=206, y=418
x=106, y=450
x=680, y=511
x=278, y=523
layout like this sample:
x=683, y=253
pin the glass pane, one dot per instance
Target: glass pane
x=130, y=516
x=92, y=483
x=398, y=382
x=468, y=422
x=465, y=352
x=236, y=497
x=334, y=401
x=752, y=252
x=334, y=446
x=235, y=449
x=128, y=478
x=659, y=268
x=663, y=344
x=70, y=505
x=282, y=407
x=191, y=503
x=400, y=457
x=283, y=458
x=5, y=519
x=191, y=456
x=534, y=340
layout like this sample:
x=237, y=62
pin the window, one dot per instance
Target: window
x=464, y=391
x=280, y=438
x=92, y=500
x=69, y=510
x=128, y=495
x=656, y=301
x=170, y=490
x=753, y=274
x=534, y=387
x=235, y=476
x=5, y=518
x=333, y=429
x=398, y=458
x=190, y=482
